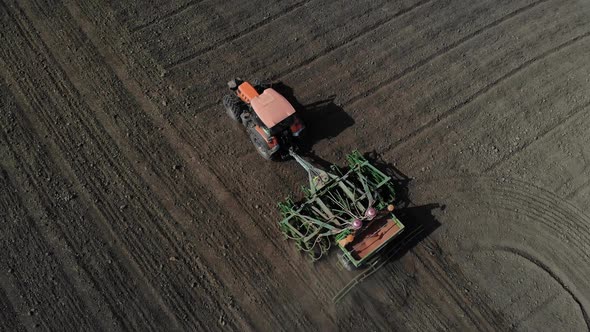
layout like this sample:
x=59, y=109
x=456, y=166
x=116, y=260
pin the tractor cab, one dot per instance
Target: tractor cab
x=271, y=108
x=269, y=118
x=275, y=114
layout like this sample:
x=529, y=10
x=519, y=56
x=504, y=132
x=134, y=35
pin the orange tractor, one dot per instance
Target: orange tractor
x=269, y=118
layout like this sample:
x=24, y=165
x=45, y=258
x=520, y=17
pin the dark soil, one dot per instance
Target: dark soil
x=129, y=201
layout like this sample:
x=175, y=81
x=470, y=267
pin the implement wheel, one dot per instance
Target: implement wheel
x=345, y=262
x=232, y=105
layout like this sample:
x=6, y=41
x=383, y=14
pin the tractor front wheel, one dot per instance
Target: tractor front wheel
x=232, y=106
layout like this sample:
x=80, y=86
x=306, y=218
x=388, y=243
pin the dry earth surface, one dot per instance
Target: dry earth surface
x=128, y=201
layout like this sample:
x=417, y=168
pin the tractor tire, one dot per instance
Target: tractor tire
x=345, y=261
x=232, y=105
x=259, y=143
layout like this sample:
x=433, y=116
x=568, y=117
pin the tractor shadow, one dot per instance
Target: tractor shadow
x=420, y=218
x=324, y=119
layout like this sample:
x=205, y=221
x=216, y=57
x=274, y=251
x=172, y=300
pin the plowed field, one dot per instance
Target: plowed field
x=129, y=201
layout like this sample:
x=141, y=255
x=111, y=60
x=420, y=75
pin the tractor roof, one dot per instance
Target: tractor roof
x=271, y=107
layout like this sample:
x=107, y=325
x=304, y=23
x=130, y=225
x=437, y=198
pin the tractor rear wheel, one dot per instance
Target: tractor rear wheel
x=259, y=143
x=232, y=105
x=345, y=261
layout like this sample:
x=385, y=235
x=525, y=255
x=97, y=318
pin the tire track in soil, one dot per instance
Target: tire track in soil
x=578, y=189
x=525, y=192
x=238, y=269
x=415, y=297
x=537, y=308
x=390, y=286
x=526, y=208
x=535, y=208
x=548, y=199
x=454, y=282
x=431, y=271
x=362, y=33
x=136, y=13
x=181, y=145
x=323, y=53
x=166, y=16
x=8, y=316
x=567, y=288
x=408, y=70
x=23, y=238
x=434, y=122
x=442, y=52
x=520, y=193
x=515, y=300
x=80, y=241
x=231, y=37
x=42, y=206
x=540, y=205
x=572, y=114
x=114, y=212
x=556, y=215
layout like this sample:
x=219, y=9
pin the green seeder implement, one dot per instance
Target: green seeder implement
x=351, y=208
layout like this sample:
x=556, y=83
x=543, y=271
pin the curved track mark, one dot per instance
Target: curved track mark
x=526, y=206
x=531, y=192
x=568, y=117
x=551, y=198
x=544, y=267
x=542, y=207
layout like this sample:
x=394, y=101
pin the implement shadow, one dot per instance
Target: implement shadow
x=419, y=222
x=413, y=216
